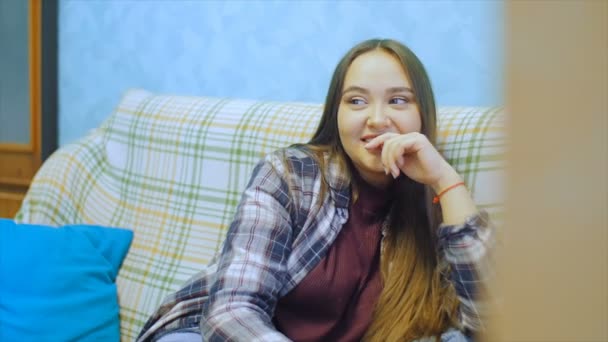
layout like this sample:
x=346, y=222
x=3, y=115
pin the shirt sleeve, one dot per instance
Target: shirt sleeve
x=467, y=248
x=252, y=266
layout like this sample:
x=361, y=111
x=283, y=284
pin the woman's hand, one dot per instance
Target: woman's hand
x=415, y=156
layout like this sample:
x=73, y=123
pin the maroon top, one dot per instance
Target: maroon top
x=335, y=301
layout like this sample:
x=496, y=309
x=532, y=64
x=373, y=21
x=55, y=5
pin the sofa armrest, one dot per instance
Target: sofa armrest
x=52, y=198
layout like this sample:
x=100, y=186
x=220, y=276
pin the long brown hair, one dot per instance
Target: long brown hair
x=416, y=299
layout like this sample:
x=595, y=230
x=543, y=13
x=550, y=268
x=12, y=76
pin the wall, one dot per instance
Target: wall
x=272, y=50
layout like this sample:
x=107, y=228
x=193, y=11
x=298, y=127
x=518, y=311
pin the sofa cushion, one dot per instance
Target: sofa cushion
x=173, y=168
x=58, y=284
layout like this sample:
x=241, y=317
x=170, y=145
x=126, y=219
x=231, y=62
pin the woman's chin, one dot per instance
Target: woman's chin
x=375, y=175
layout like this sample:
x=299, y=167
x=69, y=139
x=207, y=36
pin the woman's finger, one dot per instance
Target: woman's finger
x=379, y=140
x=386, y=147
x=391, y=152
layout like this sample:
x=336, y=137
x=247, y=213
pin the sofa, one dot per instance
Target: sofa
x=172, y=168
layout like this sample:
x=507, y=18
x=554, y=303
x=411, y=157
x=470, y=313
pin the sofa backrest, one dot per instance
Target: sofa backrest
x=172, y=169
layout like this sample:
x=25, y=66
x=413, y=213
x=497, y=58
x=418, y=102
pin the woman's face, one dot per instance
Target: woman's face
x=377, y=98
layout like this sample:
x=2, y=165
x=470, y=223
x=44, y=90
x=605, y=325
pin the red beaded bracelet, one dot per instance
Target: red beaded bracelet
x=436, y=198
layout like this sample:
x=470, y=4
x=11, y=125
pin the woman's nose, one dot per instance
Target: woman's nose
x=378, y=118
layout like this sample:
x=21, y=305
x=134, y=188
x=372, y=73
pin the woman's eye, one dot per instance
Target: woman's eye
x=356, y=101
x=399, y=100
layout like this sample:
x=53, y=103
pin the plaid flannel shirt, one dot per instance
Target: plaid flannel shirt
x=279, y=234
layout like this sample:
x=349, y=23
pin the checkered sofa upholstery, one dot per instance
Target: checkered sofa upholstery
x=172, y=168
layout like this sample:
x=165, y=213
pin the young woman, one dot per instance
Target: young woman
x=364, y=233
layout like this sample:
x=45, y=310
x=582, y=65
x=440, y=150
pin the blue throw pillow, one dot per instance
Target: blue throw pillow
x=58, y=284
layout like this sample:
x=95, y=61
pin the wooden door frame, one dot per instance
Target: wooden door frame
x=20, y=162
x=34, y=52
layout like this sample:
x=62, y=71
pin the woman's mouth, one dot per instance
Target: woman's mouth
x=368, y=137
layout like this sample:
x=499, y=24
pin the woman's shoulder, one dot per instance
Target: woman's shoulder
x=296, y=159
x=302, y=161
